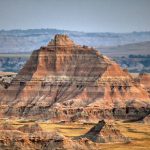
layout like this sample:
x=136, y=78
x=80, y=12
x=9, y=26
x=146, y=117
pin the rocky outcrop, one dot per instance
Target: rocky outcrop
x=6, y=126
x=104, y=132
x=23, y=139
x=30, y=128
x=61, y=40
x=63, y=79
x=144, y=80
x=146, y=119
x=5, y=79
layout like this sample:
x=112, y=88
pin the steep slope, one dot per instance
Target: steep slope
x=144, y=80
x=62, y=77
x=104, y=132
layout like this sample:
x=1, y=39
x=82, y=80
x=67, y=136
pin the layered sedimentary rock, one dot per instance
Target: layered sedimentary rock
x=29, y=137
x=63, y=79
x=30, y=128
x=6, y=126
x=104, y=132
x=144, y=80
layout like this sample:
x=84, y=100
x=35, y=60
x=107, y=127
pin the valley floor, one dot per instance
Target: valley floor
x=139, y=133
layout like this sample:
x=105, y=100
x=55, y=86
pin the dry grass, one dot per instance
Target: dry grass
x=138, y=133
x=69, y=130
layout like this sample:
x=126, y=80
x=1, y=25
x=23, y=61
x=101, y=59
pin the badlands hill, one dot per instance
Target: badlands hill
x=104, y=132
x=63, y=81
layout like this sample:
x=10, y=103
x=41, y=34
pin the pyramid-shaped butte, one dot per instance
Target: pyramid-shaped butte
x=104, y=132
x=63, y=78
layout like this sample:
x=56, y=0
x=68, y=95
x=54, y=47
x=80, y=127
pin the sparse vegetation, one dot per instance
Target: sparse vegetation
x=139, y=133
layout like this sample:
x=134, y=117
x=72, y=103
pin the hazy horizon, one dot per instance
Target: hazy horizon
x=117, y=16
x=72, y=30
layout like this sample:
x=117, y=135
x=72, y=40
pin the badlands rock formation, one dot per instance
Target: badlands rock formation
x=144, y=80
x=30, y=128
x=24, y=139
x=63, y=81
x=104, y=132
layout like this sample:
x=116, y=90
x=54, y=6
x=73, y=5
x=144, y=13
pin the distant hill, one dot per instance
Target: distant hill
x=27, y=40
x=141, y=48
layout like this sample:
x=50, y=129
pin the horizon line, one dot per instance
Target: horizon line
x=17, y=29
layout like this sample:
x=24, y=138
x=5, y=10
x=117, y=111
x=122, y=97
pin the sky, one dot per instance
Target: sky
x=76, y=15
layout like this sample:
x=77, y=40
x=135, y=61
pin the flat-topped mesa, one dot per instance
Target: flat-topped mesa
x=61, y=40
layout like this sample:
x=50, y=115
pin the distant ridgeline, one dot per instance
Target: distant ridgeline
x=140, y=56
